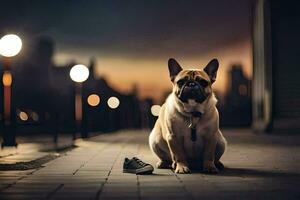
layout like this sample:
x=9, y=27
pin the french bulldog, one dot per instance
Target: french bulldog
x=186, y=134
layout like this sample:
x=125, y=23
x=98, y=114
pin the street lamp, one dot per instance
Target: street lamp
x=10, y=46
x=79, y=74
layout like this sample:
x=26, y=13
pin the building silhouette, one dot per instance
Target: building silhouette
x=46, y=94
x=276, y=88
x=235, y=107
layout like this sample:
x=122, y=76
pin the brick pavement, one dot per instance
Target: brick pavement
x=258, y=167
x=32, y=147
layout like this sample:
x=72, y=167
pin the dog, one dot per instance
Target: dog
x=186, y=134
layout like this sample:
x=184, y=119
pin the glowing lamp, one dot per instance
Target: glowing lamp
x=93, y=100
x=10, y=45
x=243, y=90
x=113, y=102
x=23, y=116
x=155, y=109
x=7, y=78
x=35, y=116
x=79, y=73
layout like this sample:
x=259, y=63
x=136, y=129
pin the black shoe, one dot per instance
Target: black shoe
x=136, y=166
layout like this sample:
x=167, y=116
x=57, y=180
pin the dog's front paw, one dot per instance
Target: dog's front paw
x=174, y=164
x=163, y=165
x=182, y=169
x=209, y=167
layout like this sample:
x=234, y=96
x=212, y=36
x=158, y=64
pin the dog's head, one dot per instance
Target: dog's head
x=193, y=84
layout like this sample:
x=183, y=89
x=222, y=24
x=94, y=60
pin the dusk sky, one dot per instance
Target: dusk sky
x=132, y=40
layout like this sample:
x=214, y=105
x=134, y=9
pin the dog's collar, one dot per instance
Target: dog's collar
x=196, y=114
x=194, y=118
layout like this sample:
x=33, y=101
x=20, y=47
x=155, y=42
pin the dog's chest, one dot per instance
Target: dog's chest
x=191, y=148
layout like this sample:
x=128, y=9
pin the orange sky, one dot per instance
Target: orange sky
x=151, y=75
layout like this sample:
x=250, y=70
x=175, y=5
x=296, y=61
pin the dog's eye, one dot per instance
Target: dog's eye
x=203, y=83
x=180, y=83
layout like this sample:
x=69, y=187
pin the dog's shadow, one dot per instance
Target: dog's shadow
x=246, y=172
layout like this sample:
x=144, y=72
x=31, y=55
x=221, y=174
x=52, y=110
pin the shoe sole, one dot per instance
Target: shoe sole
x=145, y=170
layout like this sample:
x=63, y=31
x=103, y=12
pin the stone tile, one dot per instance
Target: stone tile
x=256, y=169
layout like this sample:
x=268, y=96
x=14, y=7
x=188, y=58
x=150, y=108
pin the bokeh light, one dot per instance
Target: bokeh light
x=23, y=116
x=155, y=109
x=7, y=79
x=10, y=45
x=93, y=100
x=243, y=90
x=79, y=73
x=35, y=116
x=113, y=102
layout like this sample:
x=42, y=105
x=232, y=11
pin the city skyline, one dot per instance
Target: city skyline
x=133, y=39
x=151, y=76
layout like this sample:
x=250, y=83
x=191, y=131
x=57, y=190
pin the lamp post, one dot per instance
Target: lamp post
x=10, y=46
x=79, y=74
x=113, y=103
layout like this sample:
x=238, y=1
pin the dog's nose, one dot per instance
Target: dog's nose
x=192, y=84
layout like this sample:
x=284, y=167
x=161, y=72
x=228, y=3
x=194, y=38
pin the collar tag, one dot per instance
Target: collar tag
x=192, y=126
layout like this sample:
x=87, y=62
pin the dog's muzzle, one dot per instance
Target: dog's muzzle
x=192, y=90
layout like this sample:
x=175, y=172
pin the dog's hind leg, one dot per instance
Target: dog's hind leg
x=160, y=148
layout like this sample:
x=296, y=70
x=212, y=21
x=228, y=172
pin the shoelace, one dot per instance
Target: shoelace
x=139, y=161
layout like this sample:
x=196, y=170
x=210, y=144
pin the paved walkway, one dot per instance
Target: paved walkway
x=32, y=147
x=258, y=167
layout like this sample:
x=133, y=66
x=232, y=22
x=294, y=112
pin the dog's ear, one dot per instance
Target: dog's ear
x=211, y=69
x=174, y=68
